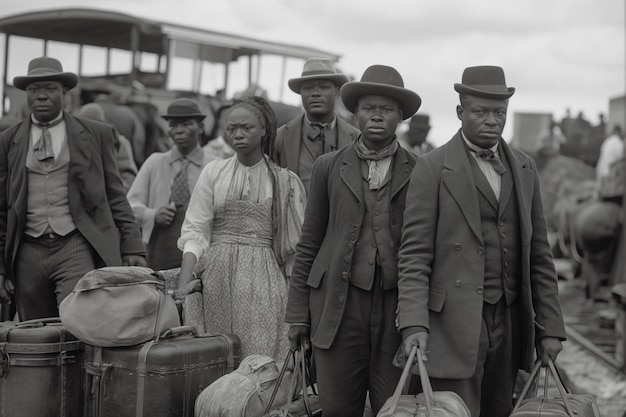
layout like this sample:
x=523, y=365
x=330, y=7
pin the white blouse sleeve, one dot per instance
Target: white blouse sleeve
x=195, y=234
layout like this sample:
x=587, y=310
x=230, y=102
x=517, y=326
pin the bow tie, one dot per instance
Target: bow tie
x=489, y=156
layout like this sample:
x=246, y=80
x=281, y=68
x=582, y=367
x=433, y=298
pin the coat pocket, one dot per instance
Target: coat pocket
x=316, y=275
x=436, y=299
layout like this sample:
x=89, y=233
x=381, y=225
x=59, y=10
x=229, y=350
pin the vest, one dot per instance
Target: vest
x=48, y=206
x=375, y=245
x=500, y=225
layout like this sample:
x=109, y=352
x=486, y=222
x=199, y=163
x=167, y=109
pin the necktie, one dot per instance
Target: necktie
x=489, y=156
x=316, y=132
x=180, y=186
x=43, y=146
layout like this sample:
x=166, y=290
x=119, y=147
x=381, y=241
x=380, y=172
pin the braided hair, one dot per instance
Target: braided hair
x=263, y=111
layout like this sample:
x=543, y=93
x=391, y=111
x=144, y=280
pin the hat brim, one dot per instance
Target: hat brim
x=496, y=92
x=337, y=79
x=199, y=116
x=409, y=101
x=68, y=79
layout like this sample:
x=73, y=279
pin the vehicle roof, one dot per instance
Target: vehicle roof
x=111, y=29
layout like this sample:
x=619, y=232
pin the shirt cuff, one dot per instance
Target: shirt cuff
x=193, y=247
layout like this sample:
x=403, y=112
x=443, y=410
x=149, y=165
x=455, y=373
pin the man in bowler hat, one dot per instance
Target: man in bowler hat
x=160, y=194
x=63, y=209
x=343, y=289
x=477, y=285
x=319, y=130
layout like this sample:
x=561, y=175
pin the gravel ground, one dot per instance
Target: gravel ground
x=590, y=375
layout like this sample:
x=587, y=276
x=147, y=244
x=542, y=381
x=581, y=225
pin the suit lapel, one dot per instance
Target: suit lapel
x=401, y=171
x=524, y=183
x=350, y=173
x=482, y=184
x=81, y=151
x=457, y=177
x=292, y=147
x=17, y=160
x=344, y=135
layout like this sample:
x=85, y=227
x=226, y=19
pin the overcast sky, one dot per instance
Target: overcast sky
x=558, y=54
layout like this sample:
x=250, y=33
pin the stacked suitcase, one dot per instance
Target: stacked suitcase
x=158, y=378
x=47, y=372
x=40, y=370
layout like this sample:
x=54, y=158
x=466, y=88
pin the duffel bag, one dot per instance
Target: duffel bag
x=428, y=403
x=244, y=392
x=119, y=306
x=566, y=404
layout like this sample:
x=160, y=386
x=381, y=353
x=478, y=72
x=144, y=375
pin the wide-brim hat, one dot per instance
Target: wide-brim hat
x=45, y=69
x=317, y=69
x=484, y=81
x=385, y=81
x=183, y=108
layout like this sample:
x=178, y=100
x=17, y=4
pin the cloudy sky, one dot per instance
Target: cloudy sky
x=558, y=54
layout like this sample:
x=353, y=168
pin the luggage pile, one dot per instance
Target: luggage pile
x=128, y=362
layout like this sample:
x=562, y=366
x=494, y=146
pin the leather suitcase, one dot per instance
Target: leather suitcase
x=40, y=370
x=160, y=378
x=566, y=404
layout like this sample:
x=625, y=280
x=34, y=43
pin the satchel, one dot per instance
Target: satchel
x=300, y=402
x=119, y=306
x=246, y=391
x=428, y=403
x=566, y=404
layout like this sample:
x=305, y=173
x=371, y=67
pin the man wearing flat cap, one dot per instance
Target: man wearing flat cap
x=477, y=285
x=319, y=130
x=343, y=290
x=63, y=209
x=160, y=194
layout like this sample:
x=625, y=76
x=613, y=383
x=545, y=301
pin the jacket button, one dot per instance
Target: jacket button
x=480, y=251
x=503, y=235
x=346, y=258
x=505, y=250
x=458, y=283
x=479, y=290
x=344, y=274
x=457, y=246
x=371, y=262
x=341, y=298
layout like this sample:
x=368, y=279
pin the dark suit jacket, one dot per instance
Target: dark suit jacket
x=441, y=263
x=334, y=214
x=96, y=194
x=289, y=141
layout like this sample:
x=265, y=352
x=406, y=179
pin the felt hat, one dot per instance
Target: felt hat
x=183, y=108
x=317, y=69
x=45, y=69
x=484, y=81
x=383, y=81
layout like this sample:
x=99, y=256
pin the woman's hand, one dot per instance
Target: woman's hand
x=192, y=286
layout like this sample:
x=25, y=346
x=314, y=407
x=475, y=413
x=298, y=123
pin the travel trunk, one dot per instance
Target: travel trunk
x=160, y=378
x=40, y=370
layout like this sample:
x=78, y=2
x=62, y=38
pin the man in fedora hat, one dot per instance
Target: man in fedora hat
x=63, y=211
x=161, y=191
x=414, y=139
x=319, y=130
x=343, y=290
x=477, y=285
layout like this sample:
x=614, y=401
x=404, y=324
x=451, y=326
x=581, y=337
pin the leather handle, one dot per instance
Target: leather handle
x=395, y=398
x=38, y=322
x=290, y=355
x=427, y=389
x=177, y=331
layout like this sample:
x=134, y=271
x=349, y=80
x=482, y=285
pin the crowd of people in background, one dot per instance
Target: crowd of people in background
x=349, y=238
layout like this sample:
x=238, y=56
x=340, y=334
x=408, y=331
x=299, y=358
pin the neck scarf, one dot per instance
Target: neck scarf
x=377, y=161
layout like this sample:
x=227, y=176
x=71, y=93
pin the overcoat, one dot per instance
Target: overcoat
x=334, y=215
x=441, y=260
x=97, y=198
x=289, y=141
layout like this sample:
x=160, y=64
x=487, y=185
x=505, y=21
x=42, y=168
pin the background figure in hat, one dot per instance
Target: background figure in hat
x=414, y=139
x=243, y=223
x=477, y=285
x=319, y=130
x=123, y=148
x=160, y=194
x=64, y=210
x=343, y=291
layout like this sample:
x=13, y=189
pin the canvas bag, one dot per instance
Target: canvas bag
x=244, y=392
x=429, y=403
x=566, y=404
x=119, y=306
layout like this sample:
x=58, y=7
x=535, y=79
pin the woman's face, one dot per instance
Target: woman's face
x=244, y=131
